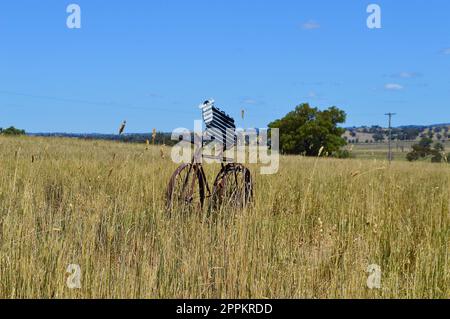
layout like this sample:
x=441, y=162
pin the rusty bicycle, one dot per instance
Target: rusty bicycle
x=233, y=186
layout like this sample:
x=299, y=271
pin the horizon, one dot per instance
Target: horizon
x=168, y=132
x=130, y=61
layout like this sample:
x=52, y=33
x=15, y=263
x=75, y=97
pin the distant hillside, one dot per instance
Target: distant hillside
x=161, y=138
x=362, y=134
x=377, y=134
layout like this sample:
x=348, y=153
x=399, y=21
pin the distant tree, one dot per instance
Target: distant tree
x=375, y=129
x=412, y=156
x=423, y=149
x=306, y=129
x=11, y=131
x=438, y=153
x=410, y=133
x=378, y=137
x=425, y=143
x=438, y=147
x=342, y=154
x=437, y=157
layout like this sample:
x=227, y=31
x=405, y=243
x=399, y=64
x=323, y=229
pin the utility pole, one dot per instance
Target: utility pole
x=390, y=134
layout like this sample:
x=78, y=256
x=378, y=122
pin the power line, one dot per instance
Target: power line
x=390, y=134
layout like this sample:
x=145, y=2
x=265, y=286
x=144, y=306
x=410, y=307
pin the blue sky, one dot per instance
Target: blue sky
x=153, y=62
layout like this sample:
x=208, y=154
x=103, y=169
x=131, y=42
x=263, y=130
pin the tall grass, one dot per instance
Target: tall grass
x=312, y=232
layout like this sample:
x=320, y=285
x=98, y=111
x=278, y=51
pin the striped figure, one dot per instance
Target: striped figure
x=219, y=125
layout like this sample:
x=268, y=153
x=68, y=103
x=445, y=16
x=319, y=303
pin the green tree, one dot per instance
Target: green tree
x=438, y=147
x=409, y=133
x=11, y=131
x=412, y=156
x=378, y=137
x=425, y=143
x=438, y=153
x=423, y=149
x=306, y=129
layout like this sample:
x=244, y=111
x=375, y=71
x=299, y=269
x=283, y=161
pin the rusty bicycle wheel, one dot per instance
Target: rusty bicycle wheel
x=233, y=187
x=186, y=189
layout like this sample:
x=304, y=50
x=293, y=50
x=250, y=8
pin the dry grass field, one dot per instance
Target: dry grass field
x=379, y=151
x=312, y=232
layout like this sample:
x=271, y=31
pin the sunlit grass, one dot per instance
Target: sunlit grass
x=312, y=232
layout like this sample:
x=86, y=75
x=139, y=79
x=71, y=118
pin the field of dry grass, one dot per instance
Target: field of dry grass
x=312, y=232
x=380, y=151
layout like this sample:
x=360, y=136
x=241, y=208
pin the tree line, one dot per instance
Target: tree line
x=304, y=131
x=425, y=149
x=11, y=131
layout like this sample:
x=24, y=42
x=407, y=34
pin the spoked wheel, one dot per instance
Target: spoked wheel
x=233, y=187
x=186, y=188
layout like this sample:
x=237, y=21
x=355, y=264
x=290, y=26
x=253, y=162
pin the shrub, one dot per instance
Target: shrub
x=342, y=154
x=12, y=131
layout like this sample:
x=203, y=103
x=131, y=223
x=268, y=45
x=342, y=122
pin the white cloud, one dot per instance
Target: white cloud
x=446, y=51
x=310, y=25
x=250, y=101
x=393, y=87
x=406, y=75
x=313, y=95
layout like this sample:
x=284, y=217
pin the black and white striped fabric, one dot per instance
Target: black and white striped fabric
x=219, y=126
